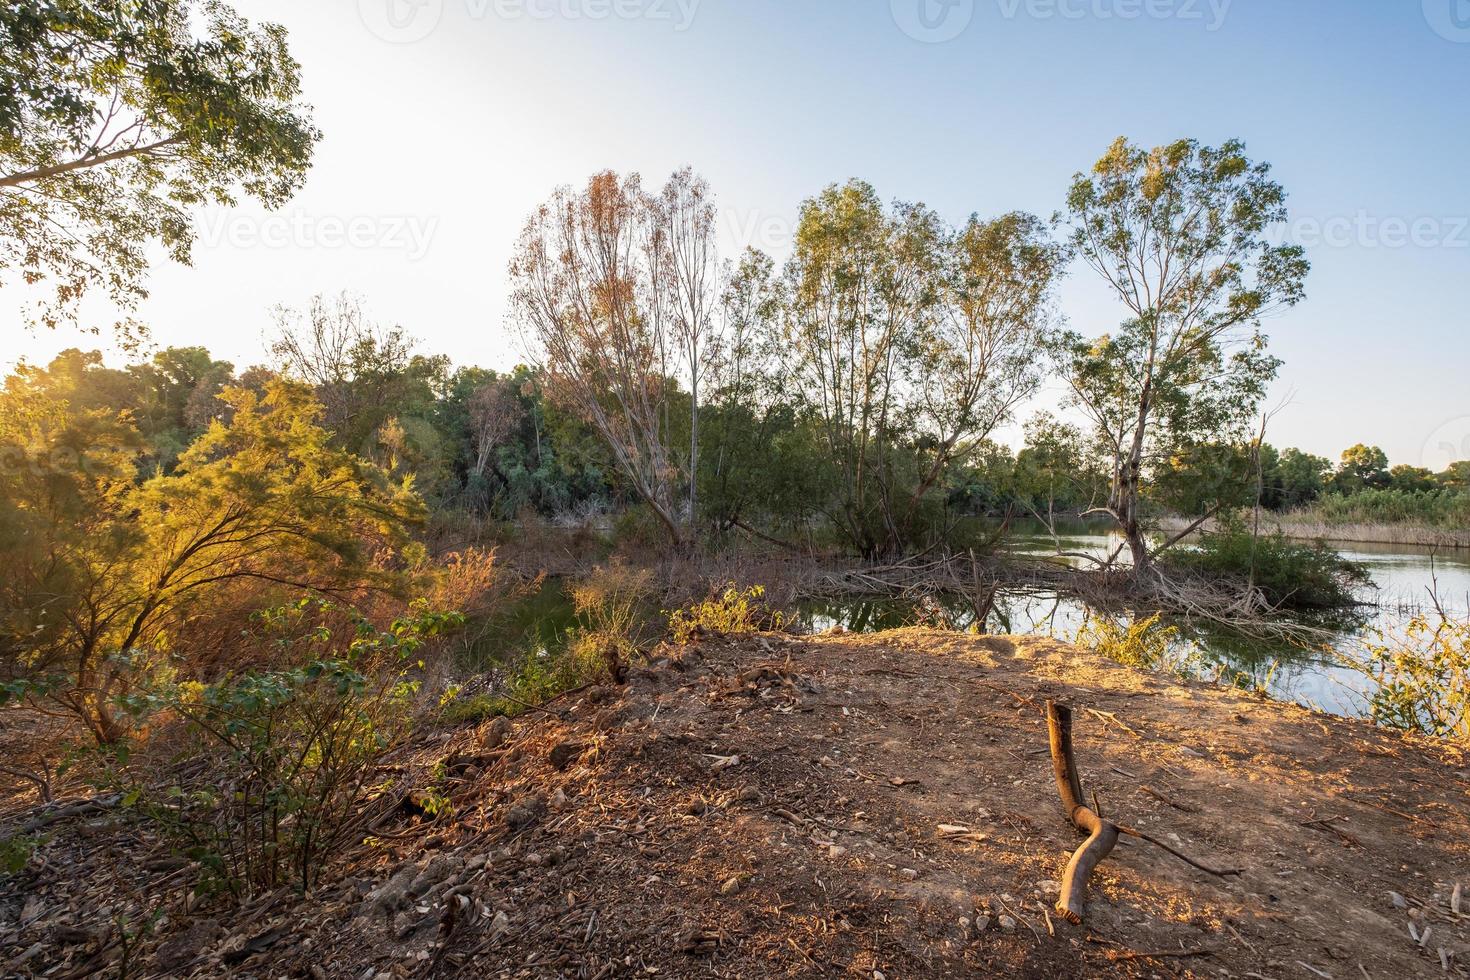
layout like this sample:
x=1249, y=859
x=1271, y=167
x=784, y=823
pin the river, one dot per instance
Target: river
x=1307, y=673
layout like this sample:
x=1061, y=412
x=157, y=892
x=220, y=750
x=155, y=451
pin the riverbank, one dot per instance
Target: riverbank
x=839, y=805
x=1385, y=534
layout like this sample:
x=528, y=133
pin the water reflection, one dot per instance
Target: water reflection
x=1306, y=671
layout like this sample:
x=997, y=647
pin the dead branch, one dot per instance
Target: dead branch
x=1102, y=835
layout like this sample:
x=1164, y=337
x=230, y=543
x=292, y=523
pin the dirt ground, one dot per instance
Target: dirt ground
x=876, y=806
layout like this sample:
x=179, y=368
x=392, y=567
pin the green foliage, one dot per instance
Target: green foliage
x=1421, y=677
x=1362, y=468
x=1434, y=508
x=120, y=119
x=1143, y=644
x=15, y=853
x=908, y=343
x=99, y=569
x=280, y=760
x=1289, y=574
x=730, y=612
x=1180, y=235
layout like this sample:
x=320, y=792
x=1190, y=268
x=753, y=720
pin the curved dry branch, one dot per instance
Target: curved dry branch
x=1102, y=835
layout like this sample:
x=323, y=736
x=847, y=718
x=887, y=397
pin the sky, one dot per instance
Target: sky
x=447, y=121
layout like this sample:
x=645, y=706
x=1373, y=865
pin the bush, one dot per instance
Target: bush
x=1143, y=644
x=730, y=612
x=274, y=765
x=1421, y=678
x=1446, y=509
x=1288, y=574
x=610, y=605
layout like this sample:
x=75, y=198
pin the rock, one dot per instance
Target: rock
x=500, y=924
x=836, y=851
x=748, y=794
x=982, y=922
x=731, y=886
x=394, y=893
x=1007, y=923
x=908, y=873
x=1399, y=902
x=439, y=868
x=183, y=948
x=1049, y=889
x=525, y=811
x=566, y=753
x=496, y=732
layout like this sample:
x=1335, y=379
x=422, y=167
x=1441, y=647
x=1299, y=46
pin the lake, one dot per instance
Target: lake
x=1309, y=674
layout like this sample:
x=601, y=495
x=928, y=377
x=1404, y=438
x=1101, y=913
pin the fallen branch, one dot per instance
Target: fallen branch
x=1102, y=835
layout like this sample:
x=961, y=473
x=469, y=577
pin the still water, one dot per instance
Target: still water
x=1307, y=672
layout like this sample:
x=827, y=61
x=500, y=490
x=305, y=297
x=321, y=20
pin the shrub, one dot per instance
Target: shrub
x=732, y=611
x=610, y=605
x=1447, y=509
x=1421, y=677
x=1143, y=644
x=275, y=764
x=1288, y=574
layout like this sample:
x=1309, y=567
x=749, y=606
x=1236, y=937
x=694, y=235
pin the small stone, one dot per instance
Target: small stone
x=564, y=754
x=1007, y=923
x=982, y=923
x=1049, y=888
x=525, y=812
x=183, y=948
x=500, y=923
x=1399, y=902
x=836, y=851
x=731, y=886
x=748, y=794
x=908, y=873
x=496, y=732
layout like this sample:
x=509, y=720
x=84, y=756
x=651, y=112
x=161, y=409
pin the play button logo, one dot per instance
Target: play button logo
x=401, y=21
x=1449, y=18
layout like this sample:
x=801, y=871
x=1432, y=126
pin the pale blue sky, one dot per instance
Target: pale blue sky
x=446, y=121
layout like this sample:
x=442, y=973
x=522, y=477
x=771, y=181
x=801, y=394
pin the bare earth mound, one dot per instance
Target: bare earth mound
x=858, y=806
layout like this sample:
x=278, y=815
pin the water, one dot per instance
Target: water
x=1307, y=673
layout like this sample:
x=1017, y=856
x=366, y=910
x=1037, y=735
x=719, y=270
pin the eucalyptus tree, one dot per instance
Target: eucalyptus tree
x=1179, y=235
x=613, y=289
x=910, y=342
x=117, y=120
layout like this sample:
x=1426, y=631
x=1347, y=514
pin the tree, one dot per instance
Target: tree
x=495, y=413
x=364, y=374
x=613, y=316
x=263, y=497
x=1412, y=479
x=117, y=119
x=1362, y=468
x=1178, y=234
x=909, y=342
x=684, y=244
x=1297, y=479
